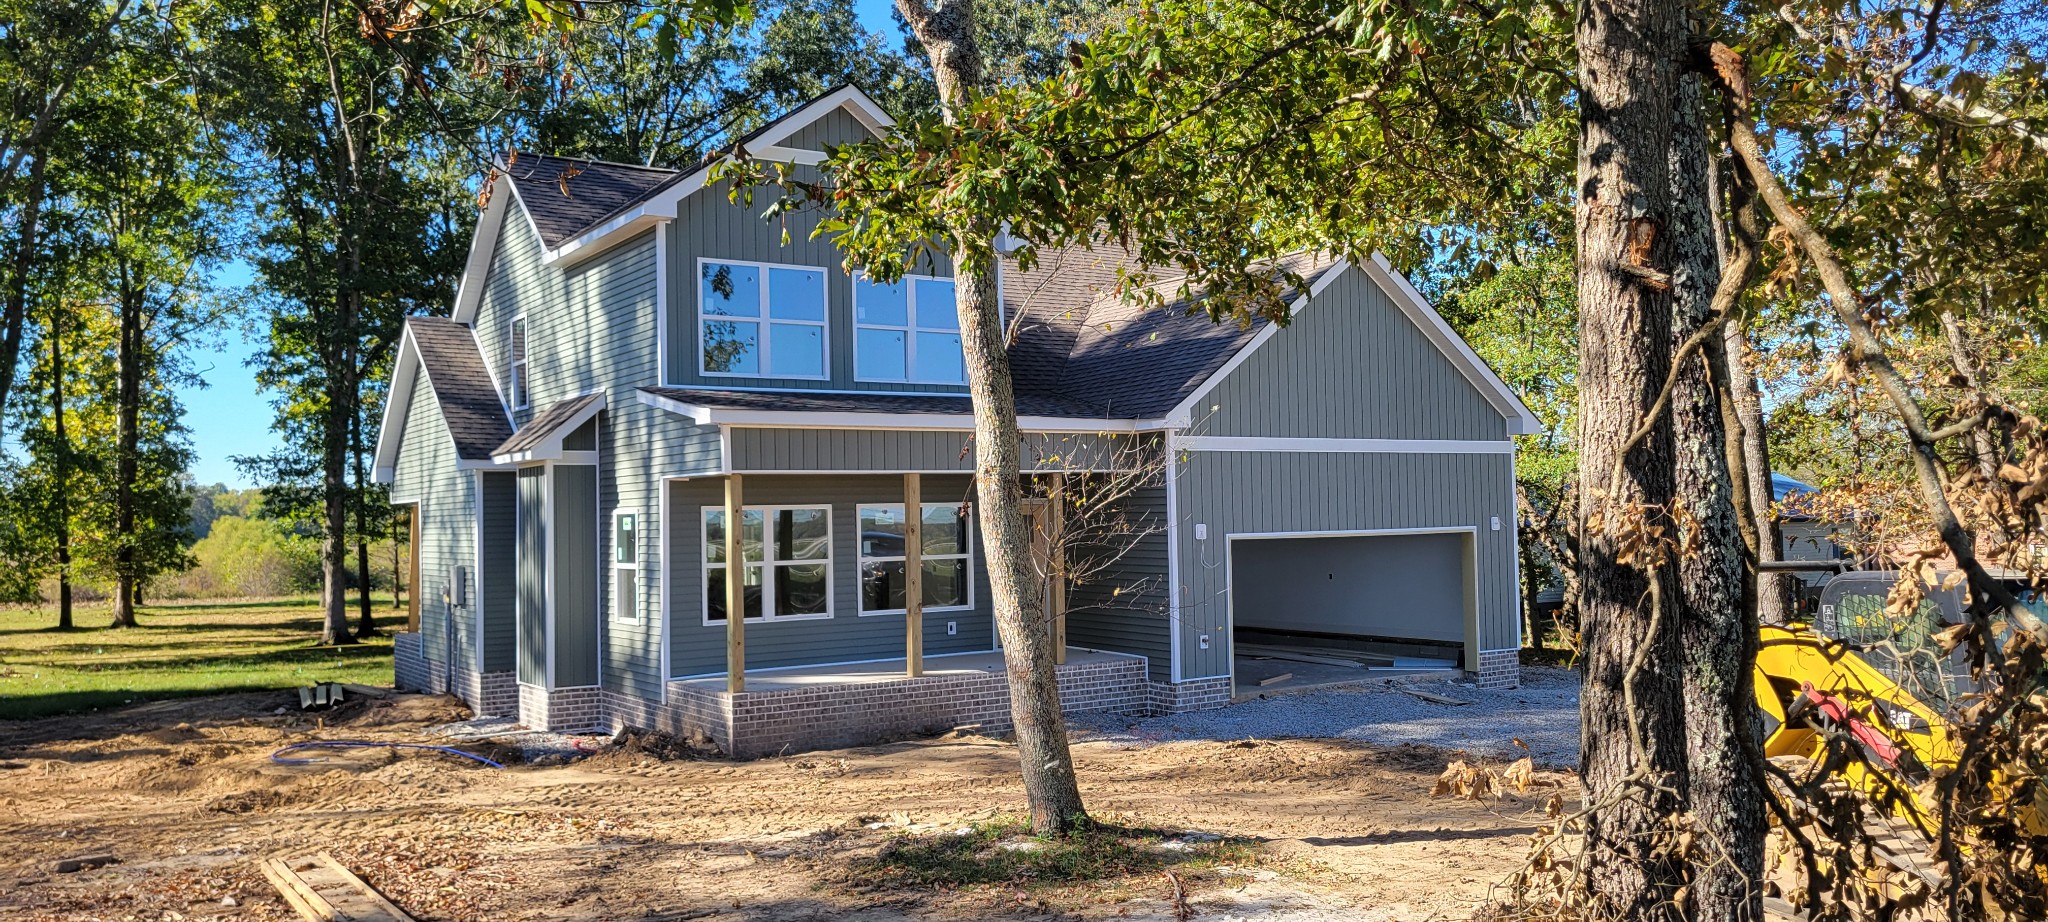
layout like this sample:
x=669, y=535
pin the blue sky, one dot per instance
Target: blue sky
x=229, y=416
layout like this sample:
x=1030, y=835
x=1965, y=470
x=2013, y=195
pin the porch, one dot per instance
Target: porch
x=817, y=707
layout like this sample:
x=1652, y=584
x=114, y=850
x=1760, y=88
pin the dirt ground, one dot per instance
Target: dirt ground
x=184, y=796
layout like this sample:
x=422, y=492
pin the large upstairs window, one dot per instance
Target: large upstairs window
x=907, y=333
x=761, y=320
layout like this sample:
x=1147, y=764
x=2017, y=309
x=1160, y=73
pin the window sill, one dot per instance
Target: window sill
x=769, y=619
x=899, y=611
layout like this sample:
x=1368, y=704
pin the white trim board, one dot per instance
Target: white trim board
x=830, y=419
x=1345, y=446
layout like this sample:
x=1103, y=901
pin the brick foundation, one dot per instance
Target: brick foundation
x=1500, y=668
x=409, y=668
x=563, y=710
x=1192, y=695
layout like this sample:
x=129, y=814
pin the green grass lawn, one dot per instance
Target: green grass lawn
x=197, y=648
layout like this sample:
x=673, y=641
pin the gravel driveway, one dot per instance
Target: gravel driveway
x=1543, y=713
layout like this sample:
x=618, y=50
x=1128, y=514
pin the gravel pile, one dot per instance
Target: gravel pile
x=1543, y=713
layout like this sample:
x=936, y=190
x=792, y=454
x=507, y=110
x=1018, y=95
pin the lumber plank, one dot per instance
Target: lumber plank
x=1434, y=698
x=310, y=905
x=1293, y=657
x=320, y=889
x=1275, y=680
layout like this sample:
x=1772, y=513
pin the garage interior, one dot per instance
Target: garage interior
x=1328, y=609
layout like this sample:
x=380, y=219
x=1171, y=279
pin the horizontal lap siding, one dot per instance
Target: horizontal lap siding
x=426, y=474
x=1260, y=492
x=698, y=649
x=1351, y=365
x=1121, y=603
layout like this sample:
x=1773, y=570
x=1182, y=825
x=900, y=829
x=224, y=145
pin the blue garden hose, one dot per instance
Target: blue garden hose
x=278, y=756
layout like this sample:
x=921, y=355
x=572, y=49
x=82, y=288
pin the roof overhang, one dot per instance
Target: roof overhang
x=549, y=448
x=724, y=417
x=397, y=405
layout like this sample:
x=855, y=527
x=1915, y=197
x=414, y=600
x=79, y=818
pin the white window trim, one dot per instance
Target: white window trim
x=629, y=612
x=763, y=320
x=966, y=554
x=518, y=358
x=909, y=331
x=767, y=545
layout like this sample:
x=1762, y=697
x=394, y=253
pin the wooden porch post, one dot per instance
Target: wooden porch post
x=1056, y=586
x=913, y=575
x=735, y=589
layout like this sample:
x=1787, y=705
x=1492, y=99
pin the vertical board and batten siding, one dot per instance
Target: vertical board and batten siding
x=1122, y=602
x=1266, y=492
x=697, y=648
x=532, y=582
x=1350, y=365
x=426, y=474
x=577, y=625
x=780, y=449
x=709, y=225
x=497, y=567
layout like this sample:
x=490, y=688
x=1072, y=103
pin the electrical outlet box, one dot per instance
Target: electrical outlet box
x=1205, y=641
x=952, y=627
x=1496, y=523
x=458, y=587
x=1201, y=531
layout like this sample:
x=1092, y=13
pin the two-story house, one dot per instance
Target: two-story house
x=634, y=363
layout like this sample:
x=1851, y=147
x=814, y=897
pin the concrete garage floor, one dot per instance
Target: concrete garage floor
x=1251, y=670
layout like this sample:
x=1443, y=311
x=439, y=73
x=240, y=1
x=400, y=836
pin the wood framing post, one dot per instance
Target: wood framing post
x=1056, y=585
x=735, y=588
x=913, y=575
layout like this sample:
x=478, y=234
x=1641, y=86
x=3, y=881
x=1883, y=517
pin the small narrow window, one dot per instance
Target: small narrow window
x=908, y=332
x=883, y=566
x=625, y=566
x=762, y=320
x=518, y=354
x=787, y=566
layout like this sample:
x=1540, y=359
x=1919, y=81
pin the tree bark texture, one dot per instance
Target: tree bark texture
x=14, y=317
x=334, y=500
x=1717, y=630
x=128, y=414
x=62, y=465
x=1775, y=592
x=366, y=623
x=946, y=30
x=1633, y=755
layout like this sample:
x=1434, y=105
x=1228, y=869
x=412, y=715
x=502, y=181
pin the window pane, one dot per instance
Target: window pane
x=942, y=530
x=879, y=356
x=796, y=294
x=731, y=347
x=801, y=589
x=881, y=531
x=732, y=291
x=519, y=385
x=938, y=358
x=802, y=534
x=519, y=340
x=935, y=307
x=881, y=586
x=714, y=593
x=884, y=304
x=624, y=548
x=945, y=583
x=796, y=350
x=625, y=597
x=714, y=534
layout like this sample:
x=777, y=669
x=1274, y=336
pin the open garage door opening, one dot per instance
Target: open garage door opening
x=1319, y=609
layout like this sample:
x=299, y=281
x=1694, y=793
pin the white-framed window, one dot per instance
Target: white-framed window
x=948, y=559
x=908, y=332
x=626, y=565
x=516, y=349
x=761, y=320
x=788, y=562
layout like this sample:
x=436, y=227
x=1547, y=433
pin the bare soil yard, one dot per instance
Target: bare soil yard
x=184, y=796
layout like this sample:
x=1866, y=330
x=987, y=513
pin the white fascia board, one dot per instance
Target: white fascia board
x=1181, y=417
x=847, y=97
x=943, y=422
x=1411, y=302
x=551, y=448
x=600, y=239
x=397, y=404
x=483, y=248
x=1347, y=446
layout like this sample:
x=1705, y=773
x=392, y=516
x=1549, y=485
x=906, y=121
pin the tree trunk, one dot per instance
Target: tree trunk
x=14, y=317
x=128, y=412
x=62, y=464
x=1776, y=596
x=366, y=625
x=1050, y=785
x=334, y=511
x=1717, y=631
x=1633, y=751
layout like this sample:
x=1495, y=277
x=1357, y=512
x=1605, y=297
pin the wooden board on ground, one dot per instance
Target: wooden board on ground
x=1275, y=649
x=323, y=891
x=1275, y=680
x=1434, y=698
x=1265, y=652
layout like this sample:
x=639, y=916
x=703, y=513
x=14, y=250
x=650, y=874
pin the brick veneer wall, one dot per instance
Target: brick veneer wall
x=1500, y=668
x=564, y=710
x=409, y=668
x=1191, y=695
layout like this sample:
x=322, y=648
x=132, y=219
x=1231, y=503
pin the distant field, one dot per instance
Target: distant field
x=181, y=649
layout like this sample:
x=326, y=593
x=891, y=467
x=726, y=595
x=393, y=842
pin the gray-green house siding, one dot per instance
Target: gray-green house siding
x=576, y=568
x=445, y=499
x=697, y=648
x=532, y=579
x=497, y=580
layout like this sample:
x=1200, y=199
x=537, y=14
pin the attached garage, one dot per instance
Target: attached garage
x=1406, y=593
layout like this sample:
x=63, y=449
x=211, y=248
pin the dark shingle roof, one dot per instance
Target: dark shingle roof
x=462, y=385
x=566, y=196
x=549, y=423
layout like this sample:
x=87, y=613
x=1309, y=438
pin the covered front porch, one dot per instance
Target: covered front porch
x=797, y=708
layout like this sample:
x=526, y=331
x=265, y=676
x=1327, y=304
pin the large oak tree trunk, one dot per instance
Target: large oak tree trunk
x=128, y=414
x=1717, y=630
x=1633, y=754
x=947, y=31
